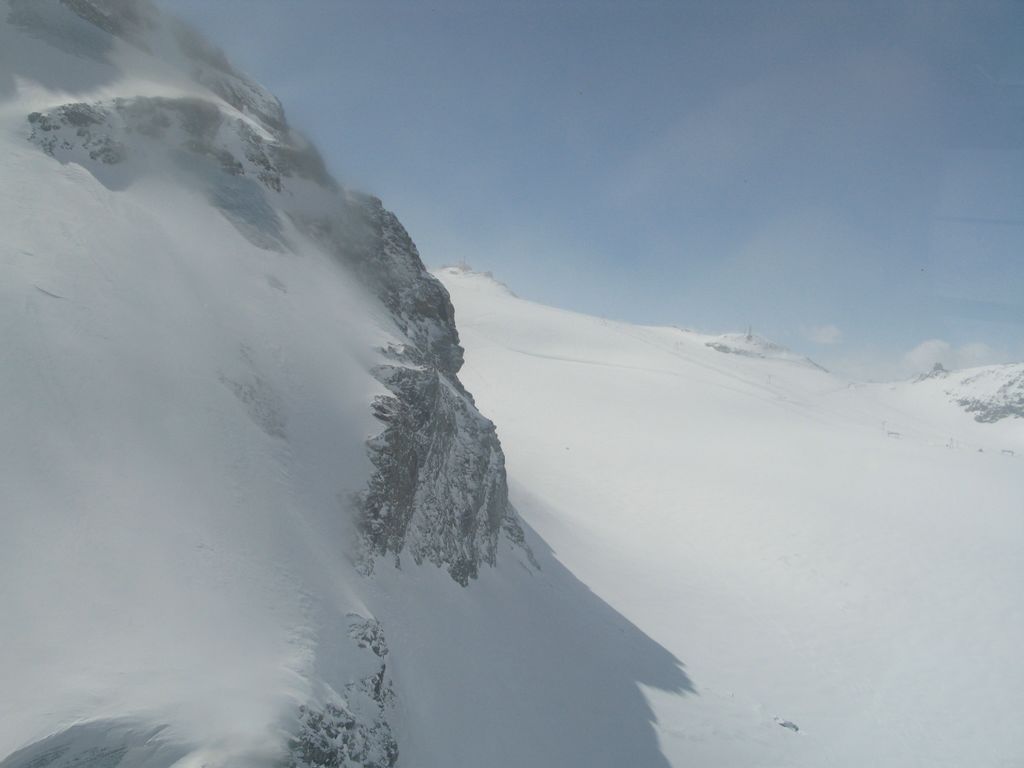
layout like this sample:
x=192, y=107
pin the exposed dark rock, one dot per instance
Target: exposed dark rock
x=439, y=490
x=1005, y=399
x=368, y=633
x=938, y=371
x=789, y=724
x=78, y=125
x=352, y=731
x=372, y=242
x=99, y=744
x=1011, y=406
x=332, y=737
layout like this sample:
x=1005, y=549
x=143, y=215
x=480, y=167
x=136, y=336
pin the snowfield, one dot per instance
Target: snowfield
x=838, y=565
x=173, y=438
x=250, y=516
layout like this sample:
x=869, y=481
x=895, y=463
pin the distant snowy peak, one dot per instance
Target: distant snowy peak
x=751, y=345
x=163, y=102
x=938, y=371
x=990, y=393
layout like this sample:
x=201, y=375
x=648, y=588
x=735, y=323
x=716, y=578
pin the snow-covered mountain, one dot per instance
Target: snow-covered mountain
x=837, y=564
x=251, y=515
x=990, y=393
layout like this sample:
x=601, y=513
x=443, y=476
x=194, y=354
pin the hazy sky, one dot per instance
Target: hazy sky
x=846, y=177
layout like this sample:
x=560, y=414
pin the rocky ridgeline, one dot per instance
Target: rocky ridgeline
x=989, y=394
x=352, y=730
x=439, y=491
x=342, y=729
x=1005, y=402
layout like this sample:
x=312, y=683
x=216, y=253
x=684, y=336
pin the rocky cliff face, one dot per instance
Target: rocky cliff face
x=436, y=488
x=439, y=491
x=352, y=730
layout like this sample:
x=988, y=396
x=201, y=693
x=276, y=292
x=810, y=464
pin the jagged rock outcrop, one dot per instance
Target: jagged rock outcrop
x=140, y=23
x=439, y=491
x=989, y=393
x=938, y=371
x=352, y=731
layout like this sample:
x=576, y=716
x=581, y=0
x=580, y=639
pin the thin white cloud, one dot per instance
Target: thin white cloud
x=872, y=364
x=824, y=334
x=928, y=353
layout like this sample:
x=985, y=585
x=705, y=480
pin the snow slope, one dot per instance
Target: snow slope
x=835, y=556
x=249, y=516
x=173, y=437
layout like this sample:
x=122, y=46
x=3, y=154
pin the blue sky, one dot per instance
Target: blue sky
x=846, y=177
